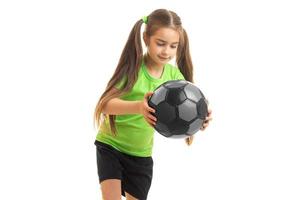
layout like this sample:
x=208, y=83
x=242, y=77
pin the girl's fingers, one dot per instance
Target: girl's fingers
x=150, y=109
x=151, y=122
x=148, y=94
x=208, y=118
x=152, y=117
x=204, y=125
x=209, y=113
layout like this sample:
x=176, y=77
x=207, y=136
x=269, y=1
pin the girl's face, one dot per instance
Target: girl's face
x=162, y=46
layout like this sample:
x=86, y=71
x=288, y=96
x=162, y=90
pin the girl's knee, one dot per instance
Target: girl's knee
x=111, y=189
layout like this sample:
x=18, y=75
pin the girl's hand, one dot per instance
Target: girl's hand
x=207, y=120
x=189, y=140
x=146, y=110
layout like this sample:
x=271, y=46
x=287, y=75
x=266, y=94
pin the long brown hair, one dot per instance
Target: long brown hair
x=132, y=55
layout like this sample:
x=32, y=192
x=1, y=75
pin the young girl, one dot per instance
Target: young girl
x=125, y=121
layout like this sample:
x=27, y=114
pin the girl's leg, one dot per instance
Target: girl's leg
x=111, y=189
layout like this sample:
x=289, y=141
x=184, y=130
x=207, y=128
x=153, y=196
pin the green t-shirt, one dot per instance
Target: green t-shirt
x=134, y=134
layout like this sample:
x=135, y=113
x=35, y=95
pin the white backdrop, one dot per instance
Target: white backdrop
x=57, y=56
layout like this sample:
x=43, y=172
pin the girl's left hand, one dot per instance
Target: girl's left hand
x=207, y=120
x=189, y=140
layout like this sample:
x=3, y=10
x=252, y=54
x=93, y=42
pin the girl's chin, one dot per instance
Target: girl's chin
x=163, y=61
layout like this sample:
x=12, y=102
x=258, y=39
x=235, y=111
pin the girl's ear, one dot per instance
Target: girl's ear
x=146, y=39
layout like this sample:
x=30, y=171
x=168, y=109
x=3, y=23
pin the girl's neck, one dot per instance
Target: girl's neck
x=153, y=69
x=151, y=65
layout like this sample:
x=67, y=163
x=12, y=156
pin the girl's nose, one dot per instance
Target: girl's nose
x=165, y=51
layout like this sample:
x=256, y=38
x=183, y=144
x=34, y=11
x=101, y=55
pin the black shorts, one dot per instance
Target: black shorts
x=134, y=172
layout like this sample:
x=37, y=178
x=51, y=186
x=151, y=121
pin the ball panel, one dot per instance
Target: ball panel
x=175, y=84
x=178, y=127
x=187, y=110
x=159, y=95
x=175, y=96
x=193, y=93
x=195, y=126
x=178, y=136
x=162, y=129
x=165, y=113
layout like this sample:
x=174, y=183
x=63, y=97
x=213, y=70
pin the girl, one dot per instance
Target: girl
x=125, y=121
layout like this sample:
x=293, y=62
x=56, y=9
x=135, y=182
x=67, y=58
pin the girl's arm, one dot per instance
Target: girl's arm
x=118, y=106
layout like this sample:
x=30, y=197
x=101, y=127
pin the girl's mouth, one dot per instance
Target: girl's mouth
x=163, y=58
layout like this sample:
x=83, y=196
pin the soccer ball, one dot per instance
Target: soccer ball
x=180, y=108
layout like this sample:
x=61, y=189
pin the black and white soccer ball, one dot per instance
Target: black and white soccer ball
x=180, y=108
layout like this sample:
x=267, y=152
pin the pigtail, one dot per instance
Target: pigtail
x=127, y=68
x=183, y=58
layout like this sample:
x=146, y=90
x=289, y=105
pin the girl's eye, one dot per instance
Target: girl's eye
x=162, y=44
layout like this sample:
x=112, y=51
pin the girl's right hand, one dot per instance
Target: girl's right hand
x=146, y=110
